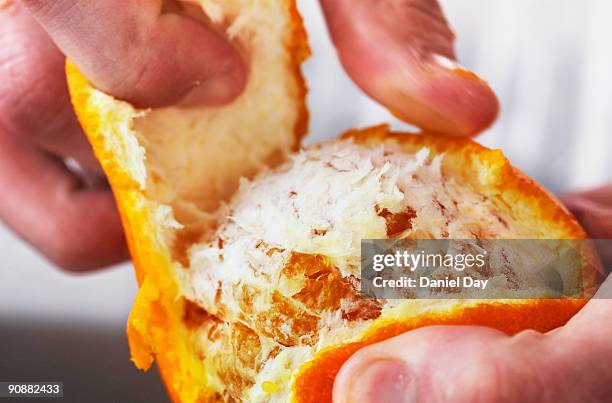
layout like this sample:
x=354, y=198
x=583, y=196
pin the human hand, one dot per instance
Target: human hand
x=477, y=364
x=401, y=53
x=389, y=48
x=130, y=48
x=137, y=54
x=594, y=211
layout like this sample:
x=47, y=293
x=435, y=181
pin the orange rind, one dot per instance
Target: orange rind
x=248, y=287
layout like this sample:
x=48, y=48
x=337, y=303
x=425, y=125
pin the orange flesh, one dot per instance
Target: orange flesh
x=315, y=381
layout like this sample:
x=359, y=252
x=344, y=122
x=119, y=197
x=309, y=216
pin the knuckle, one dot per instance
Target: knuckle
x=31, y=102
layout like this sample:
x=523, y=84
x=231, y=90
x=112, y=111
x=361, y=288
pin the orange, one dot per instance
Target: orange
x=173, y=171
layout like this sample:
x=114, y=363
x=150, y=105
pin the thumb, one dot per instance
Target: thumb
x=143, y=51
x=433, y=364
x=400, y=52
x=475, y=364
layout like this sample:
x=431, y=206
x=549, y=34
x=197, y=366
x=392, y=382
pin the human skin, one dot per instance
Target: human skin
x=477, y=364
x=400, y=52
x=138, y=54
x=144, y=52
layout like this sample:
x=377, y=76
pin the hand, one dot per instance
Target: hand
x=477, y=364
x=594, y=211
x=130, y=48
x=400, y=52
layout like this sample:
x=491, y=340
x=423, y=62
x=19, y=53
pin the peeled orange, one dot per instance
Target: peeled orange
x=249, y=288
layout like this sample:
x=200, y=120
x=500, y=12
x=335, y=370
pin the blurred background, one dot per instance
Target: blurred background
x=548, y=60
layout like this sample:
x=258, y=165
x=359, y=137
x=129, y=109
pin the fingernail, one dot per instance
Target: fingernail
x=383, y=381
x=453, y=66
x=446, y=62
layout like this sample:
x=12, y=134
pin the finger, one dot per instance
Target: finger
x=569, y=364
x=34, y=101
x=584, y=348
x=435, y=364
x=400, y=52
x=77, y=228
x=601, y=195
x=593, y=209
x=472, y=364
x=135, y=50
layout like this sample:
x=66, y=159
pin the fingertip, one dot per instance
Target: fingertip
x=147, y=56
x=440, y=98
x=191, y=65
x=393, y=51
x=464, y=98
x=180, y=71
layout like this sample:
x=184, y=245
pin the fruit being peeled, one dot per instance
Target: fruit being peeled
x=252, y=294
x=278, y=282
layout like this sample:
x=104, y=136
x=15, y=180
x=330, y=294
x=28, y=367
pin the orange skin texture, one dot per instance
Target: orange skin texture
x=156, y=329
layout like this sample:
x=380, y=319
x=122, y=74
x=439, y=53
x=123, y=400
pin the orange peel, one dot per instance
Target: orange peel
x=173, y=171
